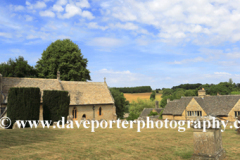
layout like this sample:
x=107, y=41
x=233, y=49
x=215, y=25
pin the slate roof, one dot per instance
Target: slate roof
x=146, y=111
x=212, y=105
x=81, y=93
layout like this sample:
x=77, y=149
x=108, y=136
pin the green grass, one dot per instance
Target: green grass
x=105, y=144
x=235, y=92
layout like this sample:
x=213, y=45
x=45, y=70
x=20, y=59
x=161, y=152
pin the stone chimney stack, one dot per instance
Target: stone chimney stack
x=201, y=93
x=58, y=75
x=168, y=100
x=105, y=80
x=156, y=104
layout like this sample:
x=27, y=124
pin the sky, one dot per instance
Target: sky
x=155, y=43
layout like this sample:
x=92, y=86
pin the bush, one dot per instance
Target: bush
x=132, y=116
x=152, y=113
x=23, y=104
x=136, y=108
x=55, y=105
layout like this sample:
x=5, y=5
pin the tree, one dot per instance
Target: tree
x=153, y=95
x=65, y=56
x=120, y=102
x=17, y=68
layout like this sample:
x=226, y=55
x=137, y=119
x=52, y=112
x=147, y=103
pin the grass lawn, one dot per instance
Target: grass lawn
x=105, y=144
x=134, y=96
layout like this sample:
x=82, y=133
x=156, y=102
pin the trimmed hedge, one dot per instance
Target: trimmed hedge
x=23, y=104
x=55, y=105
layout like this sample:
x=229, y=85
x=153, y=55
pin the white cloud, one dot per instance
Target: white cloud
x=87, y=15
x=202, y=22
x=83, y=4
x=105, y=42
x=94, y=25
x=38, y=5
x=47, y=13
x=222, y=73
x=28, y=18
x=6, y=35
x=234, y=55
x=17, y=7
x=62, y=2
x=127, y=26
x=58, y=8
x=121, y=78
x=71, y=10
x=197, y=59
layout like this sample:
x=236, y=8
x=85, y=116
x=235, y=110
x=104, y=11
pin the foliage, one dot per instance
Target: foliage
x=137, y=107
x=140, y=89
x=120, y=102
x=153, y=95
x=160, y=114
x=55, y=105
x=152, y=113
x=187, y=86
x=65, y=56
x=132, y=116
x=17, y=68
x=23, y=104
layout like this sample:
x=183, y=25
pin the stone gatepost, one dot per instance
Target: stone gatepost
x=208, y=145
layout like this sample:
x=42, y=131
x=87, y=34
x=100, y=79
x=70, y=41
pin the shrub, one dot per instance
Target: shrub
x=132, y=116
x=55, y=105
x=152, y=113
x=23, y=104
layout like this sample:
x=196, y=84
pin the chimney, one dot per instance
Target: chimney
x=201, y=93
x=168, y=100
x=156, y=104
x=58, y=75
x=105, y=80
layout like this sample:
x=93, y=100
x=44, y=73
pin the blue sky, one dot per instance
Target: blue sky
x=130, y=42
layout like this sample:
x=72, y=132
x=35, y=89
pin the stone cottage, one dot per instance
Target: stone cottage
x=146, y=112
x=88, y=100
x=226, y=107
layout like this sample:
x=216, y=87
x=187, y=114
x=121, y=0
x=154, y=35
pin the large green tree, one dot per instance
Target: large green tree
x=17, y=68
x=120, y=102
x=65, y=56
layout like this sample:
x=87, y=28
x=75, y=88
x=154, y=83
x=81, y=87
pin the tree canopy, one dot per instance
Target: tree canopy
x=17, y=68
x=120, y=102
x=65, y=56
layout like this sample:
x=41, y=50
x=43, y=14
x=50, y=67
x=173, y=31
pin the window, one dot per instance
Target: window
x=74, y=112
x=84, y=116
x=237, y=113
x=195, y=113
x=100, y=111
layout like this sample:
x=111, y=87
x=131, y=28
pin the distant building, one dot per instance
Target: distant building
x=147, y=111
x=226, y=107
x=88, y=100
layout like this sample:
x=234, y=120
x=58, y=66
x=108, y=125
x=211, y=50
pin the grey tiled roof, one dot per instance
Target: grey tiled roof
x=146, y=111
x=212, y=105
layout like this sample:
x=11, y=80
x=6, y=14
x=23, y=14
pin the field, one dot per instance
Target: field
x=134, y=96
x=105, y=144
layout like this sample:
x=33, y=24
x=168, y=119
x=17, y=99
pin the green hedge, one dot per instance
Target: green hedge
x=23, y=104
x=55, y=105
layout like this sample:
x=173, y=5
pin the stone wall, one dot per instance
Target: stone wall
x=107, y=112
x=167, y=116
x=231, y=114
